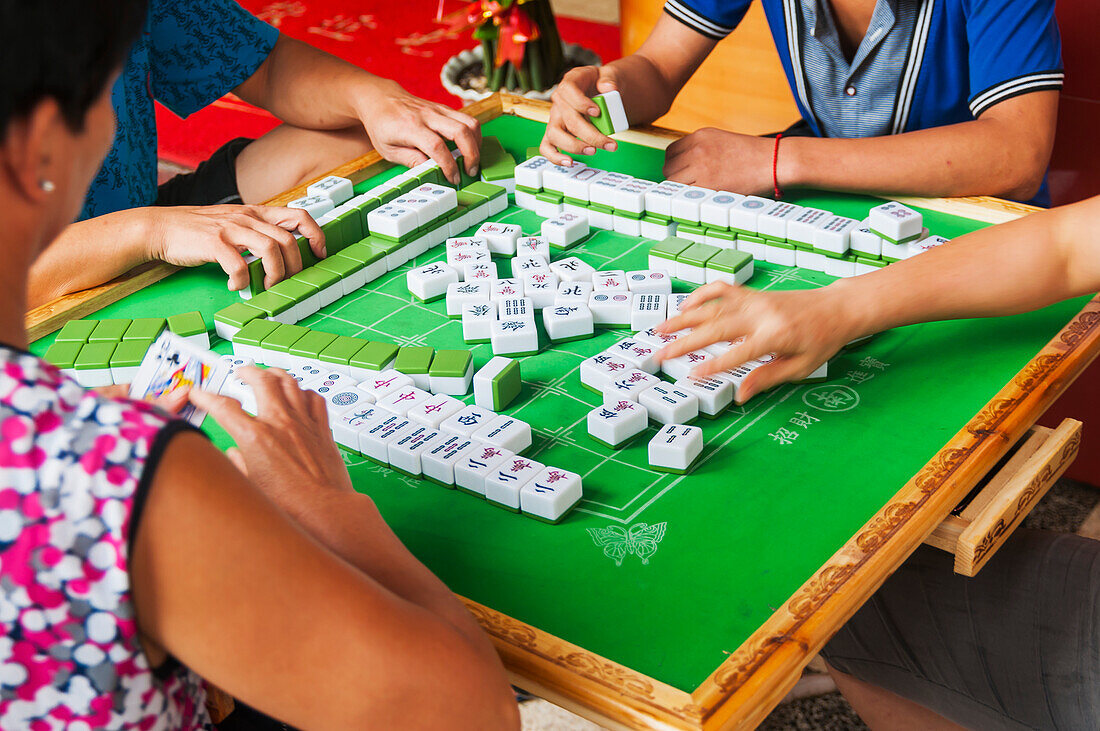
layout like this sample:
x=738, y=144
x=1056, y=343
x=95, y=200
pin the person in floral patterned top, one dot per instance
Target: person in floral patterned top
x=136, y=559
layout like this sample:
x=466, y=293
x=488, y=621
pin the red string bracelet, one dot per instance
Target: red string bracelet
x=775, y=168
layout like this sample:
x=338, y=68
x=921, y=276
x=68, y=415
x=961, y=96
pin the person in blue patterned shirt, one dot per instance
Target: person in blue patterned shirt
x=918, y=97
x=189, y=55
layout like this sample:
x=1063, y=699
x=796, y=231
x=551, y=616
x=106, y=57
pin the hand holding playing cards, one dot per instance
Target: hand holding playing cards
x=286, y=449
x=803, y=327
x=172, y=402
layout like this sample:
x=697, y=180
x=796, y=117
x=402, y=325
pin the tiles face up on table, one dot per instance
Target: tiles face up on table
x=565, y=230
x=435, y=409
x=668, y=404
x=338, y=190
x=676, y=448
x=507, y=433
x=611, y=309
x=391, y=420
x=615, y=424
x=550, y=494
x=461, y=293
x=503, y=485
x=476, y=465
x=500, y=237
x=567, y=322
x=430, y=281
x=713, y=394
x=435, y=435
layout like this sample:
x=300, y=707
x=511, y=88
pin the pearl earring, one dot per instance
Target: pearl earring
x=47, y=186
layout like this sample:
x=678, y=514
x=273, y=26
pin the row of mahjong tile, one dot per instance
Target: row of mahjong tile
x=391, y=421
x=336, y=276
x=105, y=352
x=287, y=346
x=655, y=210
x=457, y=453
x=334, y=196
x=410, y=212
x=698, y=263
x=396, y=393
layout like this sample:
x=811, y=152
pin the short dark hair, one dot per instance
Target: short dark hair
x=66, y=50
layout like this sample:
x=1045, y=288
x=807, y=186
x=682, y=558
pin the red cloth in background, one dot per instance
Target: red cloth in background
x=380, y=37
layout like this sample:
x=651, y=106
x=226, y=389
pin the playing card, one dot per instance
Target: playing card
x=173, y=363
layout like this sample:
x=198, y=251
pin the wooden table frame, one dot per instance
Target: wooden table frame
x=754, y=678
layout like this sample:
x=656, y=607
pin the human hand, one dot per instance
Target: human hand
x=286, y=450
x=570, y=129
x=408, y=130
x=804, y=328
x=172, y=401
x=721, y=160
x=193, y=235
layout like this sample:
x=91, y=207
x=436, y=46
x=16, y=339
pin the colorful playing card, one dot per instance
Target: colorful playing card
x=173, y=363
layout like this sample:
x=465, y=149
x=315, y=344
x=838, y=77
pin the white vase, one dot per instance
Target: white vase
x=575, y=56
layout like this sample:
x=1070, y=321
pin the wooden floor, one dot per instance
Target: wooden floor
x=741, y=87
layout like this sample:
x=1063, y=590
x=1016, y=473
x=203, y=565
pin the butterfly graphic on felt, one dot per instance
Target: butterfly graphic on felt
x=617, y=542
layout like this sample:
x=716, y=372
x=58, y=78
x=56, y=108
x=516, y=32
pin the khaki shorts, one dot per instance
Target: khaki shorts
x=1016, y=647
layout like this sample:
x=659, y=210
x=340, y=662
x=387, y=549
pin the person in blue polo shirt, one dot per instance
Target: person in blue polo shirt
x=189, y=55
x=924, y=97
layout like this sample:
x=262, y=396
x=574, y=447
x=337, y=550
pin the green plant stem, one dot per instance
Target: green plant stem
x=534, y=63
x=549, y=40
x=487, y=57
x=496, y=78
x=523, y=73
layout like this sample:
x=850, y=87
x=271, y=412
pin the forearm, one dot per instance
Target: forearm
x=651, y=77
x=308, y=88
x=1002, y=270
x=350, y=526
x=981, y=157
x=89, y=253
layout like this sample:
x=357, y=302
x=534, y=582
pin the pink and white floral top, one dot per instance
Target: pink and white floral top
x=74, y=469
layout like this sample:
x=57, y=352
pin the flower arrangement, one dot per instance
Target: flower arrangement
x=520, y=43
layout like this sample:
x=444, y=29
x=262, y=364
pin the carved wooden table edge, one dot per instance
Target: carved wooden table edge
x=974, y=536
x=750, y=682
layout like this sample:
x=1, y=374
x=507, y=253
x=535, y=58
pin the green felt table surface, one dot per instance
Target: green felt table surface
x=782, y=483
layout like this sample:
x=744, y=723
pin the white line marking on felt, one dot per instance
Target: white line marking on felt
x=702, y=461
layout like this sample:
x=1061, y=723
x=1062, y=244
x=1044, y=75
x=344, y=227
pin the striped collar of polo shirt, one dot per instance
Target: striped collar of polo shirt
x=962, y=57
